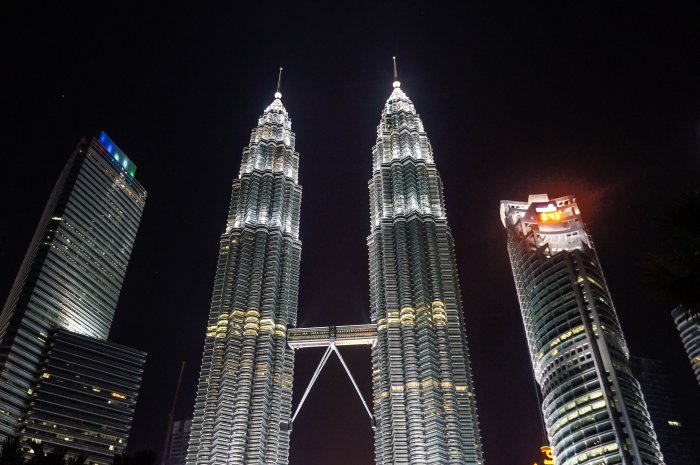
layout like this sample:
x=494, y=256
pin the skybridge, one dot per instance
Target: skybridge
x=323, y=336
x=331, y=337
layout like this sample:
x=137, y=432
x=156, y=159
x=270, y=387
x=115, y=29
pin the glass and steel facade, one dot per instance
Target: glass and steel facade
x=85, y=396
x=689, y=330
x=72, y=273
x=593, y=406
x=245, y=386
x=424, y=404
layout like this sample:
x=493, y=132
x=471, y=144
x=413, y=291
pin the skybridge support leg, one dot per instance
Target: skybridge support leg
x=321, y=364
x=347, y=370
x=331, y=349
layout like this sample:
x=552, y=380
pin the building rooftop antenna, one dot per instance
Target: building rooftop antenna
x=278, y=94
x=396, y=74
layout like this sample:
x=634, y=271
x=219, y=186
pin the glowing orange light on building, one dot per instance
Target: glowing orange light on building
x=547, y=455
x=550, y=216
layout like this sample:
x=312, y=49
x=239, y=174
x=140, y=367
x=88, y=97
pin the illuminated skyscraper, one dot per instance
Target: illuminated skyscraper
x=424, y=404
x=593, y=407
x=72, y=273
x=245, y=386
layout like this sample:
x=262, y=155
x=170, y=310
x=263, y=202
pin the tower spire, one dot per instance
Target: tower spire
x=278, y=94
x=396, y=74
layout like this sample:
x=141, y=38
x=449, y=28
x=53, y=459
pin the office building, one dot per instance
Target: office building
x=424, y=402
x=72, y=273
x=593, y=406
x=85, y=396
x=243, y=404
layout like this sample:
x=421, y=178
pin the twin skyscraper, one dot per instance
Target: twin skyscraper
x=424, y=403
x=423, y=391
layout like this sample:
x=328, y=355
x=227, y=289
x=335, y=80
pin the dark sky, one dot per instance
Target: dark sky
x=594, y=99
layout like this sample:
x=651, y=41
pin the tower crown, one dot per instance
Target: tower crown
x=269, y=155
x=276, y=107
x=398, y=101
x=402, y=146
x=400, y=134
x=274, y=125
x=397, y=95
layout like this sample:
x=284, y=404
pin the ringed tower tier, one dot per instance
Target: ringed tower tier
x=245, y=389
x=424, y=404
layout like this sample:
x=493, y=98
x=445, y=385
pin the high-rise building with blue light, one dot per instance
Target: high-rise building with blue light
x=72, y=274
x=593, y=406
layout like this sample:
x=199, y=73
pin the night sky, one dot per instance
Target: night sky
x=600, y=101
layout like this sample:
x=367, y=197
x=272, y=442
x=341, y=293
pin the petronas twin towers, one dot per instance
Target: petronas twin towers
x=424, y=404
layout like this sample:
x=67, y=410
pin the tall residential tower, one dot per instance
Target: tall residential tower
x=424, y=404
x=593, y=406
x=245, y=389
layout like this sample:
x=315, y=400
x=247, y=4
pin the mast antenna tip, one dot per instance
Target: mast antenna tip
x=396, y=74
x=279, y=84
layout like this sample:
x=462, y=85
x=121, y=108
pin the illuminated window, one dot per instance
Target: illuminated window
x=675, y=424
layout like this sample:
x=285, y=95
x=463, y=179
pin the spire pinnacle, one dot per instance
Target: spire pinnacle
x=278, y=94
x=396, y=84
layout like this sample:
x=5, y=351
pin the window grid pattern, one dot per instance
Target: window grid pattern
x=245, y=387
x=424, y=403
